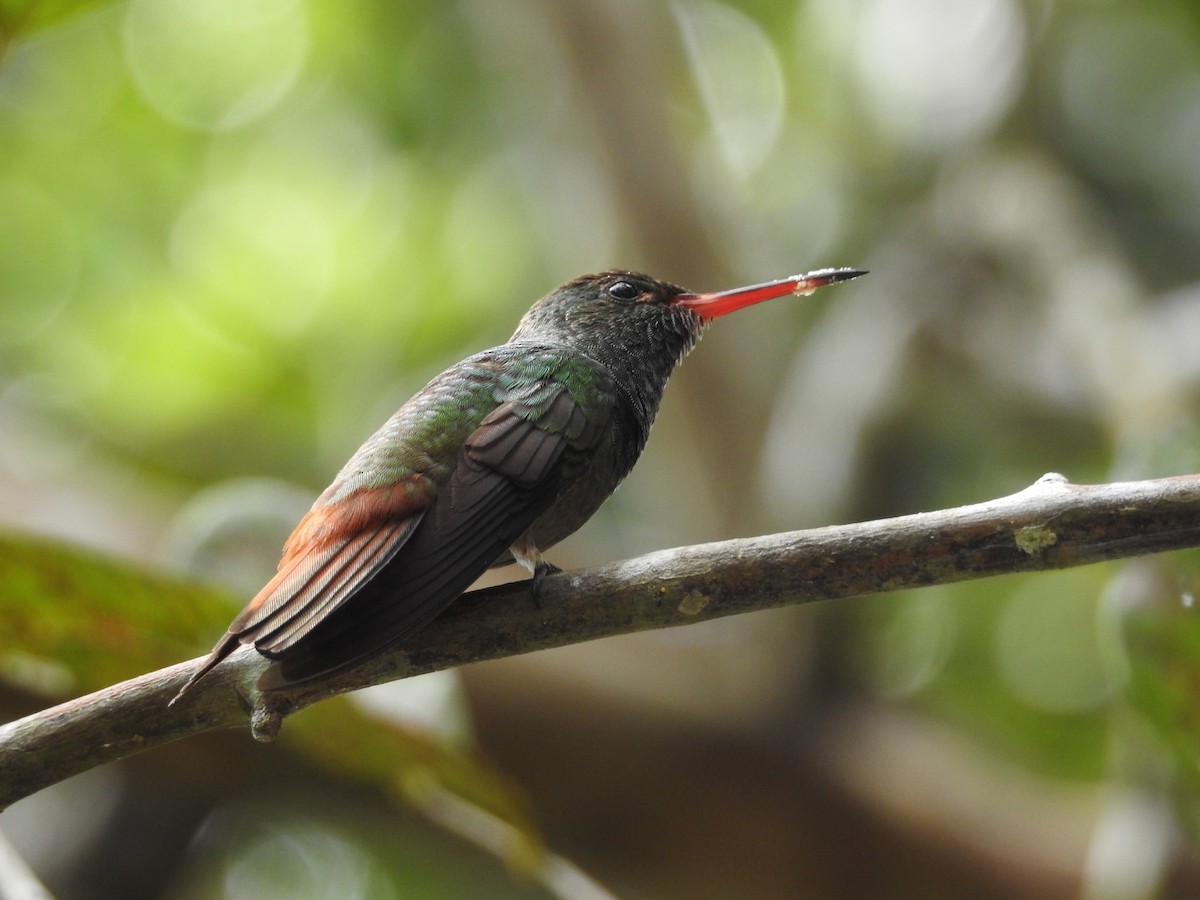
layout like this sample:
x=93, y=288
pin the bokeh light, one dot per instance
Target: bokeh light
x=235, y=236
x=936, y=73
x=215, y=65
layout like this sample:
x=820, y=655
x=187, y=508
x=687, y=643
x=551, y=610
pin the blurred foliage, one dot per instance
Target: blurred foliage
x=1164, y=682
x=18, y=17
x=234, y=236
x=75, y=623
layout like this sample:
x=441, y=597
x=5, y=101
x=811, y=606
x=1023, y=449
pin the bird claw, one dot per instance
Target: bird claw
x=539, y=575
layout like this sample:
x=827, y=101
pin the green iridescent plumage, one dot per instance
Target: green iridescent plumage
x=497, y=458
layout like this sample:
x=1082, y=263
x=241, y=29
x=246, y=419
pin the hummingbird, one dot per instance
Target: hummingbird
x=496, y=459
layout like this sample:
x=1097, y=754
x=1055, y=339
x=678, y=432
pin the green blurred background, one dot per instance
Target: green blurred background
x=235, y=235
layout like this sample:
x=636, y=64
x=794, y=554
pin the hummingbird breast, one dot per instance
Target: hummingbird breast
x=582, y=495
x=638, y=381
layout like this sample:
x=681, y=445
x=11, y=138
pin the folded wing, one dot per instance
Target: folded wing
x=372, y=562
x=507, y=474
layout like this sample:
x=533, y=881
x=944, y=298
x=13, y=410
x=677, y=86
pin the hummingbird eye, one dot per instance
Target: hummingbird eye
x=623, y=290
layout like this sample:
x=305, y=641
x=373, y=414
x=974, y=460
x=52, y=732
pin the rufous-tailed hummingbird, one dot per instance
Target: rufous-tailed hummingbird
x=498, y=458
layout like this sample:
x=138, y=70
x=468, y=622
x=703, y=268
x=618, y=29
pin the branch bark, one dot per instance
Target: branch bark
x=1050, y=525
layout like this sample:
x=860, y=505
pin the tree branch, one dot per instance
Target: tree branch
x=1050, y=525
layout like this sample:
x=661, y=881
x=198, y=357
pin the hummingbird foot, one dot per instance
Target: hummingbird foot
x=540, y=571
x=525, y=552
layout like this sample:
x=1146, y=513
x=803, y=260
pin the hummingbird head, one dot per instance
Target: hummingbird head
x=643, y=314
x=639, y=328
x=613, y=306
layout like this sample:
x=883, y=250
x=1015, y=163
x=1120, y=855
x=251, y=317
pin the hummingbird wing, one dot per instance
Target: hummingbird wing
x=507, y=473
x=334, y=550
x=398, y=535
